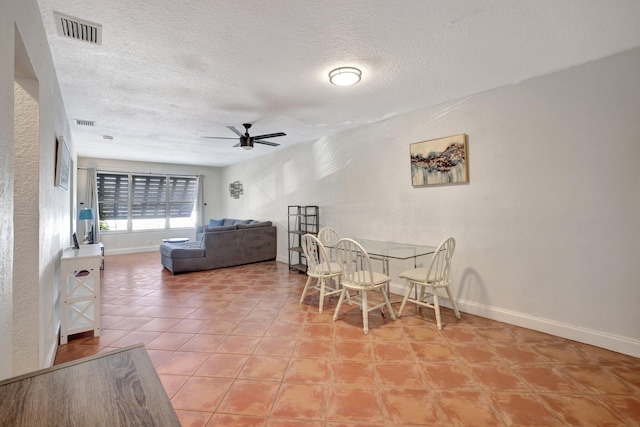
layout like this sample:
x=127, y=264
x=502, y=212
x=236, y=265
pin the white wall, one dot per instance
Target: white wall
x=6, y=187
x=548, y=229
x=36, y=328
x=142, y=241
x=26, y=214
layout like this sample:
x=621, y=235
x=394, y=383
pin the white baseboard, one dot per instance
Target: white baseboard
x=123, y=251
x=611, y=342
x=564, y=330
x=282, y=259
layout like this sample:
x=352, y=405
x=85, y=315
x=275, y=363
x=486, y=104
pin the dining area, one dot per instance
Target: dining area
x=356, y=272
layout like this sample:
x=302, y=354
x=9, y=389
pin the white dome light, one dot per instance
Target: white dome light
x=345, y=76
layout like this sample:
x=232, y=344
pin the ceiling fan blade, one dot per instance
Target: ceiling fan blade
x=270, y=135
x=218, y=137
x=234, y=130
x=273, y=144
x=237, y=145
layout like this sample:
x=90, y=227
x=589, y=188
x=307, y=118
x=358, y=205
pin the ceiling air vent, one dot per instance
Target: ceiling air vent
x=78, y=29
x=81, y=122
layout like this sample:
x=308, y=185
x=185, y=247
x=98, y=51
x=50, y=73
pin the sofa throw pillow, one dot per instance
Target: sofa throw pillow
x=229, y=221
x=216, y=222
x=242, y=221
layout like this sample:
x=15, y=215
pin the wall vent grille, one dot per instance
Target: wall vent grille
x=81, y=122
x=78, y=29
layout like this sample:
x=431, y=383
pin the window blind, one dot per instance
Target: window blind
x=148, y=197
x=142, y=197
x=182, y=196
x=113, y=196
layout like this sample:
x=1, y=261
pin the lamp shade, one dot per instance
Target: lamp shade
x=86, y=215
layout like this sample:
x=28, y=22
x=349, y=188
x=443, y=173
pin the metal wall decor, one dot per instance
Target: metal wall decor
x=235, y=189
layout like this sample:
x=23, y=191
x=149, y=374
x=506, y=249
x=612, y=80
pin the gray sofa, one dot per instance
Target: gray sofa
x=239, y=242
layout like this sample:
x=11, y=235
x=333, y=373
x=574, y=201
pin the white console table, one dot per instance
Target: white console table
x=80, y=291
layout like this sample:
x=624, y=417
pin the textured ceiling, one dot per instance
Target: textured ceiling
x=169, y=72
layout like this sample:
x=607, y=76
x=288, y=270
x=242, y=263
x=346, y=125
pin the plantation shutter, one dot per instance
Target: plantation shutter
x=182, y=196
x=113, y=196
x=148, y=197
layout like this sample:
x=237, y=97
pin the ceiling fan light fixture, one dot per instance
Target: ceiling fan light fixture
x=345, y=76
x=246, y=142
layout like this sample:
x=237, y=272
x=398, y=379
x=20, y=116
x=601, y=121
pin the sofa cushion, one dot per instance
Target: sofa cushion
x=220, y=228
x=182, y=250
x=255, y=224
x=216, y=222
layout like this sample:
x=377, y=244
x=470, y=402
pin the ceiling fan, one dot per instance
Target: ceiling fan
x=246, y=141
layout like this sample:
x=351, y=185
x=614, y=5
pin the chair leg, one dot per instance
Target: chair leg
x=340, y=300
x=347, y=296
x=322, y=284
x=436, y=307
x=453, y=302
x=331, y=284
x=422, y=292
x=387, y=303
x=306, y=288
x=365, y=312
x=406, y=297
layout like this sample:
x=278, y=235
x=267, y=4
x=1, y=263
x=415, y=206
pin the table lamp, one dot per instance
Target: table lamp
x=86, y=215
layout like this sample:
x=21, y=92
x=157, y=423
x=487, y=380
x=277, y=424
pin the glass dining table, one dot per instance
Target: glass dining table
x=384, y=251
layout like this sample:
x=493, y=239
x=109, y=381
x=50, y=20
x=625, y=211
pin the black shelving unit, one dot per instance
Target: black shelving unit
x=302, y=220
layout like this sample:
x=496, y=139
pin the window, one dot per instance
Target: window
x=182, y=200
x=113, y=201
x=146, y=202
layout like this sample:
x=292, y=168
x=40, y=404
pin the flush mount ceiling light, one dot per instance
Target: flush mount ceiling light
x=345, y=76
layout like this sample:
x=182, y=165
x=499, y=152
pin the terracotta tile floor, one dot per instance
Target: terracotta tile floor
x=233, y=347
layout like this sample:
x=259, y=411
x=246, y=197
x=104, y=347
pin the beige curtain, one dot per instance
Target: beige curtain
x=200, y=202
x=91, y=198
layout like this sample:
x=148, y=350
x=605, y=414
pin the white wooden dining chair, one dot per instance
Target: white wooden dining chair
x=329, y=237
x=358, y=276
x=429, y=280
x=320, y=269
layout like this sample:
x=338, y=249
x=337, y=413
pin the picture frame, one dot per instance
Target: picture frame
x=63, y=164
x=235, y=189
x=439, y=161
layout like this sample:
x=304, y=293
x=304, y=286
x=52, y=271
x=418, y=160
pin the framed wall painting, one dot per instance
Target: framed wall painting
x=439, y=161
x=63, y=164
x=235, y=189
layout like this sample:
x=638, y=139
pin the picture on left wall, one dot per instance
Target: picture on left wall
x=63, y=164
